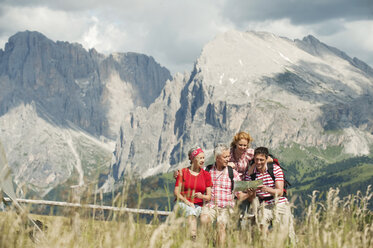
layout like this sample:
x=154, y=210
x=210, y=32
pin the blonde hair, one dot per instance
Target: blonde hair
x=239, y=136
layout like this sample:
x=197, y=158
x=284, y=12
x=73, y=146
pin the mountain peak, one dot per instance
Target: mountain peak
x=311, y=39
x=28, y=37
x=71, y=89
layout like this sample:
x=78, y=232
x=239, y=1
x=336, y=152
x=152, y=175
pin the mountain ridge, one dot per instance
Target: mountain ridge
x=239, y=79
x=67, y=95
x=64, y=109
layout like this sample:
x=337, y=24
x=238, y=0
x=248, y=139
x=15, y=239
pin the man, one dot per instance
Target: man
x=274, y=206
x=222, y=200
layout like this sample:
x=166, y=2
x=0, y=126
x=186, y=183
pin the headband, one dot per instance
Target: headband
x=195, y=153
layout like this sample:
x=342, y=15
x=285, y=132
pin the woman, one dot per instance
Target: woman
x=241, y=153
x=193, y=188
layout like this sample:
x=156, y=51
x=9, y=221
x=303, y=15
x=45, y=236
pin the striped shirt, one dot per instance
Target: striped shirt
x=243, y=162
x=221, y=191
x=268, y=181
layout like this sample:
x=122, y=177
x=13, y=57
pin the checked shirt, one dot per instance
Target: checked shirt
x=243, y=162
x=221, y=191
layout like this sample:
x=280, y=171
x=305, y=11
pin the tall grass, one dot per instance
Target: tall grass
x=333, y=222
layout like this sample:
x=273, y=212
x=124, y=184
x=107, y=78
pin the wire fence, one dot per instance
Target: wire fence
x=91, y=206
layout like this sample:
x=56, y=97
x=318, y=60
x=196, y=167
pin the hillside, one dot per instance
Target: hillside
x=61, y=107
x=297, y=97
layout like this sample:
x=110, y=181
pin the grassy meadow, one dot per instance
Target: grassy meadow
x=331, y=222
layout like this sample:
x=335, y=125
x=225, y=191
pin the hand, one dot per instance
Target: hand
x=242, y=196
x=251, y=191
x=263, y=188
x=198, y=195
x=177, y=173
x=269, y=159
x=190, y=204
x=231, y=164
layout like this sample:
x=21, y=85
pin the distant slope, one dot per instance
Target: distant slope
x=61, y=107
x=293, y=96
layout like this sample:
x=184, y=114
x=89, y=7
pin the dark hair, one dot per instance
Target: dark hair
x=261, y=150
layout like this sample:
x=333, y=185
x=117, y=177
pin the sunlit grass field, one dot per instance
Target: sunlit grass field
x=333, y=222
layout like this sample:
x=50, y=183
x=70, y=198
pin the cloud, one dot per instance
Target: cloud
x=57, y=25
x=175, y=31
x=297, y=11
x=355, y=39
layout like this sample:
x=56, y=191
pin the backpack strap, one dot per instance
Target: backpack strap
x=230, y=173
x=208, y=168
x=270, y=172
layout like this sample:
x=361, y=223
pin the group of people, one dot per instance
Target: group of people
x=207, y=191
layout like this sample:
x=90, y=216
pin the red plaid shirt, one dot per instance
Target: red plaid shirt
x=243, y=162
x=268, y=181
x=221, y=191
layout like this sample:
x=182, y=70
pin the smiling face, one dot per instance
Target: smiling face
x=199, y=160
x=260, y=162
x=242, y=145
x=223, y=159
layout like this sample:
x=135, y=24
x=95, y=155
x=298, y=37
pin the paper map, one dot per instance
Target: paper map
x=244, y=185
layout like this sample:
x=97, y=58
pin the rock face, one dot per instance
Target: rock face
x=53, y=94
x=283, y=92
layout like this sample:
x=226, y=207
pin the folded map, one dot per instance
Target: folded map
x=244, y=185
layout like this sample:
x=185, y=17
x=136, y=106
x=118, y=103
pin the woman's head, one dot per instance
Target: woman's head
x=241, y=140
x=196, y=155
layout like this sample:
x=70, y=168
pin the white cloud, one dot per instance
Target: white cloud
x=104, y=37
x=355, y=39
x=172, y=31
x=282, y=27
x=55, y=24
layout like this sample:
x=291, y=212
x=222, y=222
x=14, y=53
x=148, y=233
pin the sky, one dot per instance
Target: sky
x=174, y=32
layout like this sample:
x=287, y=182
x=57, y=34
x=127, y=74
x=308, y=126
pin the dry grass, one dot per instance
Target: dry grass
x=334, y=222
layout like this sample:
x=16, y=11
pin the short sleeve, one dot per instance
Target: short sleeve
x=247, y=177
x=236, y=176
x=208, y=180
x=279, y=174
x=179, y=177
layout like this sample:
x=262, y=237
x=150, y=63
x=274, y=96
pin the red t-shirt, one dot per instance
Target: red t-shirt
x=193, y=184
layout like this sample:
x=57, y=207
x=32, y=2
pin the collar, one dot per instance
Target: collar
x=256, y=171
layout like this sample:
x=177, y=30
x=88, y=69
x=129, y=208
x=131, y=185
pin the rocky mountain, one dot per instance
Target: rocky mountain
x=286, y=93
x=61, y=106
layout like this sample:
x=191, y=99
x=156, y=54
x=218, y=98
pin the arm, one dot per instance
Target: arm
x=180, y=197
x=278, y=190
x=205, y=197
x=177, y=173
x=251, y=169
x=231, y=164
x=269, y=159
x=250, y=194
